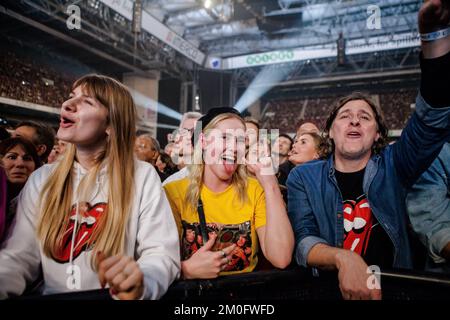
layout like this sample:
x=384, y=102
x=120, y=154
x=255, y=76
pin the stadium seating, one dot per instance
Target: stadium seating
x=24, y=80
x=287, y=114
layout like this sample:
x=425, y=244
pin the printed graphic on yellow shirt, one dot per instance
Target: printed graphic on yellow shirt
x=227, y=234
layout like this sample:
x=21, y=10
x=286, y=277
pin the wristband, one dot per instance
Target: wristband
x=427, y=37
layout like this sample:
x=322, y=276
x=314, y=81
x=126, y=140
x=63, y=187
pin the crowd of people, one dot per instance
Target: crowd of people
x=397, y=107
x=282, y=114
x=22, y=79
x=286, y=114
x=97, y=206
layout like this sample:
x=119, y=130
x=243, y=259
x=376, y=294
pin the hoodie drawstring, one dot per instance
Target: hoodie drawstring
x=75, y=225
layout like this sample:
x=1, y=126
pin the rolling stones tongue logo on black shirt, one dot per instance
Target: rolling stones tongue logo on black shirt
x=87, y=220
x=358, y=224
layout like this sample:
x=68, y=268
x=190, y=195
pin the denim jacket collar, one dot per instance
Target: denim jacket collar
x=369, y=174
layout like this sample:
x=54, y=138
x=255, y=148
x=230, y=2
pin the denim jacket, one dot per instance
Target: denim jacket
x=428, y=204
x=315, y=203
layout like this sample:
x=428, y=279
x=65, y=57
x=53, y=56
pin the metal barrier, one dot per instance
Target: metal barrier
x=291, y=284
x=300, y=284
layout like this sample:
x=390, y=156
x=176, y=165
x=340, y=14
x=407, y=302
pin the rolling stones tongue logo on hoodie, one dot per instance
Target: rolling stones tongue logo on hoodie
x=87, y=220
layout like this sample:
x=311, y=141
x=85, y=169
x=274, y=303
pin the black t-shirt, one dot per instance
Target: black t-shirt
x=283, y=172
x=162, y=176
x=362, y=232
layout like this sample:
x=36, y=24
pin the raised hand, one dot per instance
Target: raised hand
x=434, y=15
x=263, y=170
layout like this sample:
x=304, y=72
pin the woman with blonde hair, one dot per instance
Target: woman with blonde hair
x=98, y=217
x=307, y=147
x=218, y=194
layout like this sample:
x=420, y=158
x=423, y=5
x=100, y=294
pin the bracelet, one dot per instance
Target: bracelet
x=435, y=35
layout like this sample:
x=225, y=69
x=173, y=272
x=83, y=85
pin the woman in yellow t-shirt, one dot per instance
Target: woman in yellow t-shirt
x=240, y=213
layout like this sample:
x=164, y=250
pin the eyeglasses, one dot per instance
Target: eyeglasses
x=178, y=133
x=184, y=131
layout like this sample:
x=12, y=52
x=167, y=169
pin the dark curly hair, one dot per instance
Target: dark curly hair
x=28, y=146
x=379, y=145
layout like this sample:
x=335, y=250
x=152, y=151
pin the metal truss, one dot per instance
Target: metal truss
x=107, y=32
x=104, y=32
x=321, y=25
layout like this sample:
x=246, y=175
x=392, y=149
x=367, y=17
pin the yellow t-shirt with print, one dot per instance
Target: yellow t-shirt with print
x=232, y=221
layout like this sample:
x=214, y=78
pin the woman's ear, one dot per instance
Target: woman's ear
x=108, y=131
x=41, y=149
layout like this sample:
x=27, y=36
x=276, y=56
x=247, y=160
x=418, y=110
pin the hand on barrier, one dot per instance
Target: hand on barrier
x=122, y=274
x=353, y=277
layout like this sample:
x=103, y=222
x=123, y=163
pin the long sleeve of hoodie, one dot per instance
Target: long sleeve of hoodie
x=157, y=244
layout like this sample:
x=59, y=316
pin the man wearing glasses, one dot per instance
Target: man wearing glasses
x=183, y=149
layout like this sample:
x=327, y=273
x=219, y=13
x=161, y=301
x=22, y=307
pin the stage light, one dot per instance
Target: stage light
x=94, y=4
x=207, y=4
x=266, y=79
x=148, y=103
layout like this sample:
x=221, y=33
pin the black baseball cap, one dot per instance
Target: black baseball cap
x=208, y=117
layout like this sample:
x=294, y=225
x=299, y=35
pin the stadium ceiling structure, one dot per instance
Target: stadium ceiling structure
x=241, y=37
x=230, y=28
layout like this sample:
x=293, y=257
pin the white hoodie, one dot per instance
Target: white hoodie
x=151, y=238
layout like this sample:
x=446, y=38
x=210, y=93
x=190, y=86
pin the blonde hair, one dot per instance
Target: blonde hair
x=196, y=170
x=110, y=232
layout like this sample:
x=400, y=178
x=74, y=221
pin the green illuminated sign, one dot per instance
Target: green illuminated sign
x=271, y=57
